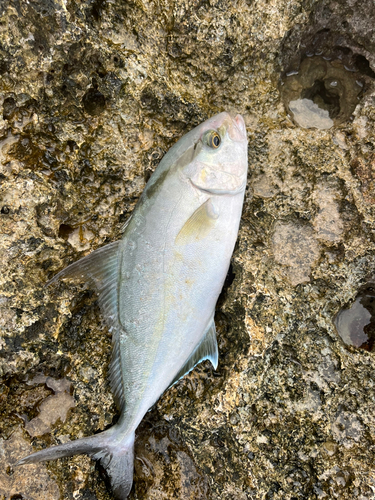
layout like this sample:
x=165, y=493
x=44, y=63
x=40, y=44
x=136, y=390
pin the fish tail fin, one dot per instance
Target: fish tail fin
x=114, y=451
x=118, y=462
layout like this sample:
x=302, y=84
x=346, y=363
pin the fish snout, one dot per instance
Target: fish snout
x=237, y=129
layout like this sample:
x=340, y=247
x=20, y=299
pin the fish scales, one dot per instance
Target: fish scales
x=158, y=286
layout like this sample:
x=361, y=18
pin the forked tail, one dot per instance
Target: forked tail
x=114, y=450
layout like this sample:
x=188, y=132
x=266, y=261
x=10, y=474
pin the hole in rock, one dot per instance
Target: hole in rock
x=65, y=230
x=94, y=102
x=9, y=108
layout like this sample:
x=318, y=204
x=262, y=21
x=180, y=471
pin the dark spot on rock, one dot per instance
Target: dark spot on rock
x=9, y=108
x=16, y=497
x=61, y=176
x=101, y=71
x=5, y=210
x=65, y=230
x=342, y=51
x=275, y=487
x=41, y=326
x=229, y=277
x=149, y=100
x=72, y=145
x=363, y=65
x=3, y=67
x=97, y=9
x=174, y=50
x=260, y=298
x=33, y=243
x=355, y=323
x=46, y=264
x=32, y=331
x=87, y=495
x=93, y=102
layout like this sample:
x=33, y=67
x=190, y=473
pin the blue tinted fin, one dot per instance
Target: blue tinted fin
x=206, y=349
x=114, y=451
x=93, y=269
x=100, y=270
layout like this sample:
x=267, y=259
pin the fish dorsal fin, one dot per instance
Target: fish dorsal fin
x=198, y=224
x=206, y=349
x=100, y=270
x=92, y=269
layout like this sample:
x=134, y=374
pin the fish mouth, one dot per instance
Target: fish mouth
x=230, y=123
x=237, y=129
x=220, y=192
x=233, y=125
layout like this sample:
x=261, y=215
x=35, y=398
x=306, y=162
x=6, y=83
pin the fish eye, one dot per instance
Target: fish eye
x=213, y=139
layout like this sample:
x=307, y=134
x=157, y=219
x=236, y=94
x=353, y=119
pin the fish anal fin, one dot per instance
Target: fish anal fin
x=206, y=349
x=116, y=370
x=198, y=224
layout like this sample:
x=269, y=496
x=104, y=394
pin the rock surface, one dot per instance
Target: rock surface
x=92, y=94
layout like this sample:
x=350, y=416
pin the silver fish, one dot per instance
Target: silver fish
x=159, y=284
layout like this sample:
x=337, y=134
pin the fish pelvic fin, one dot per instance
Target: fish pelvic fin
x=115, y=453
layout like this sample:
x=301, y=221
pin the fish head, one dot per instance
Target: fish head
x=218, y=162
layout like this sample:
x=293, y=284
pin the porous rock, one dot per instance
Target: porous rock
x=92, y=94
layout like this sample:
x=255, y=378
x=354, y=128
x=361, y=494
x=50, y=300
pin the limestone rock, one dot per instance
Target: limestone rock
x=92, y=94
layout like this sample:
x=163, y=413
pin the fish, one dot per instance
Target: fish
x=158, y=285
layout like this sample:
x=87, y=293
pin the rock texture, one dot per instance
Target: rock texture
x=92, y=94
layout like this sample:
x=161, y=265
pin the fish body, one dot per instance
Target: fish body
x=159, y=284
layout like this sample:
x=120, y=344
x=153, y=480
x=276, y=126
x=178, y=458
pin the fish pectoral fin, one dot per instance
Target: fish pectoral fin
x=198, y=224
x=206, y=349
